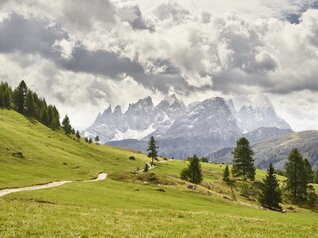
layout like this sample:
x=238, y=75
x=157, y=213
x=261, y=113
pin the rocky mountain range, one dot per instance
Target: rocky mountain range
x=204, y=128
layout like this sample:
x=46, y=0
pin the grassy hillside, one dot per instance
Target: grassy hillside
x=51, y=156
x=128, y=203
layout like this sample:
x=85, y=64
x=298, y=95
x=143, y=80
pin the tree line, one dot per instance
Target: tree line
x=296, y=188
x=25, y=101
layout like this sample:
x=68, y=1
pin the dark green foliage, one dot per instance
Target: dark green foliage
x=19, y=97
x=97, y=139
x=271, y=195
x=86, y=139
x=55, y=124
x=309, y=172
x=226, y=174
x=243, y=162
x=152, y=150
x=204, y=160
x=296, y=175
x=66, y=125
x=78, y=136
x=27, y=102
x=90, y=141
x=44, y=116
x=193, y=173
x=146, y=167
x=29, y=105
x=5, y=95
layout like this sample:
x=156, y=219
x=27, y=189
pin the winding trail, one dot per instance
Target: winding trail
x=100, y=177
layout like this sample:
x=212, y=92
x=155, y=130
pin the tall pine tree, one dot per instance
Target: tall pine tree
x=19, y=96
x=152, y=150
x=29, y=104
x=296, y=175
x=271, y=195
x=243, y=162
x=66, y=125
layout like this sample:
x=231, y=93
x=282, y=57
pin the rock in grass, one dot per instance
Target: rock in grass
x=18, y=155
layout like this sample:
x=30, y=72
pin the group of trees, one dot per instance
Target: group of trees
x=298, y=171
x=25, y=101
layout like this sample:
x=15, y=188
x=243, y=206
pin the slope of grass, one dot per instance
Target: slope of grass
x=127, y=204
x=50, y=155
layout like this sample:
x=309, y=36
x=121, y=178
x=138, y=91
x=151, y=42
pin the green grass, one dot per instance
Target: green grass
x=119, y=209
x=51, y=156
x=126, y=204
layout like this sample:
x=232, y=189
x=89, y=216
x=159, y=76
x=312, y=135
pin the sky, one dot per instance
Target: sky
x=85, y=55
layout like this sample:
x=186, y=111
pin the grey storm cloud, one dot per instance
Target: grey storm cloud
x=29, y=35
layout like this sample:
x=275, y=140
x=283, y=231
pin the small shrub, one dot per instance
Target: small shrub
x=146, y=167
x=132, y=158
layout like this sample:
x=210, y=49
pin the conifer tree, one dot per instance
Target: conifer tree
x=152, y=150
x=29, y=105
x=243, y=162
x=66, y=125
x=7, y=98
x=54, y=124
x=77, y=135
x=271, y=195
x=193, y=173
x=90, y=141
x=296, y=175
x=226, y=174
x=19, y=96
x=44, y=116
x=97, y=139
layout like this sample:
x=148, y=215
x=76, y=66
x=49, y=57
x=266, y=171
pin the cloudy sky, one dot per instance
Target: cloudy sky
x=84, y=55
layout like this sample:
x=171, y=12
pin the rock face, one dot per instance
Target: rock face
x=199, y=128
x=252, y=117
x=276, y=150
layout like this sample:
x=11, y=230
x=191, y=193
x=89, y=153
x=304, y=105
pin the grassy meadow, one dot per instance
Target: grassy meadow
x=128, y=203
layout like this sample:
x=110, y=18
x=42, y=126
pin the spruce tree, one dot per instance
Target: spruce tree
x=296, y=175
x=152, y=150
x=78, y=136
x=97, y=139
x=29, y=105
x=19, y=96
x=90, y=141
x=271, y=195
x=243, y=162
x=44, y=116
x=193, y=173
x=7, y=98
x=55, y=124
x=66, y=125
x=226, y=174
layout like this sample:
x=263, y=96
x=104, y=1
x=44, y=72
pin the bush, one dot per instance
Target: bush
x=146, y=167
x=132, y=158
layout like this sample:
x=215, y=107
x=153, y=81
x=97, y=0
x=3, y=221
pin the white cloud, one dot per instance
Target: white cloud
x=196, y=49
